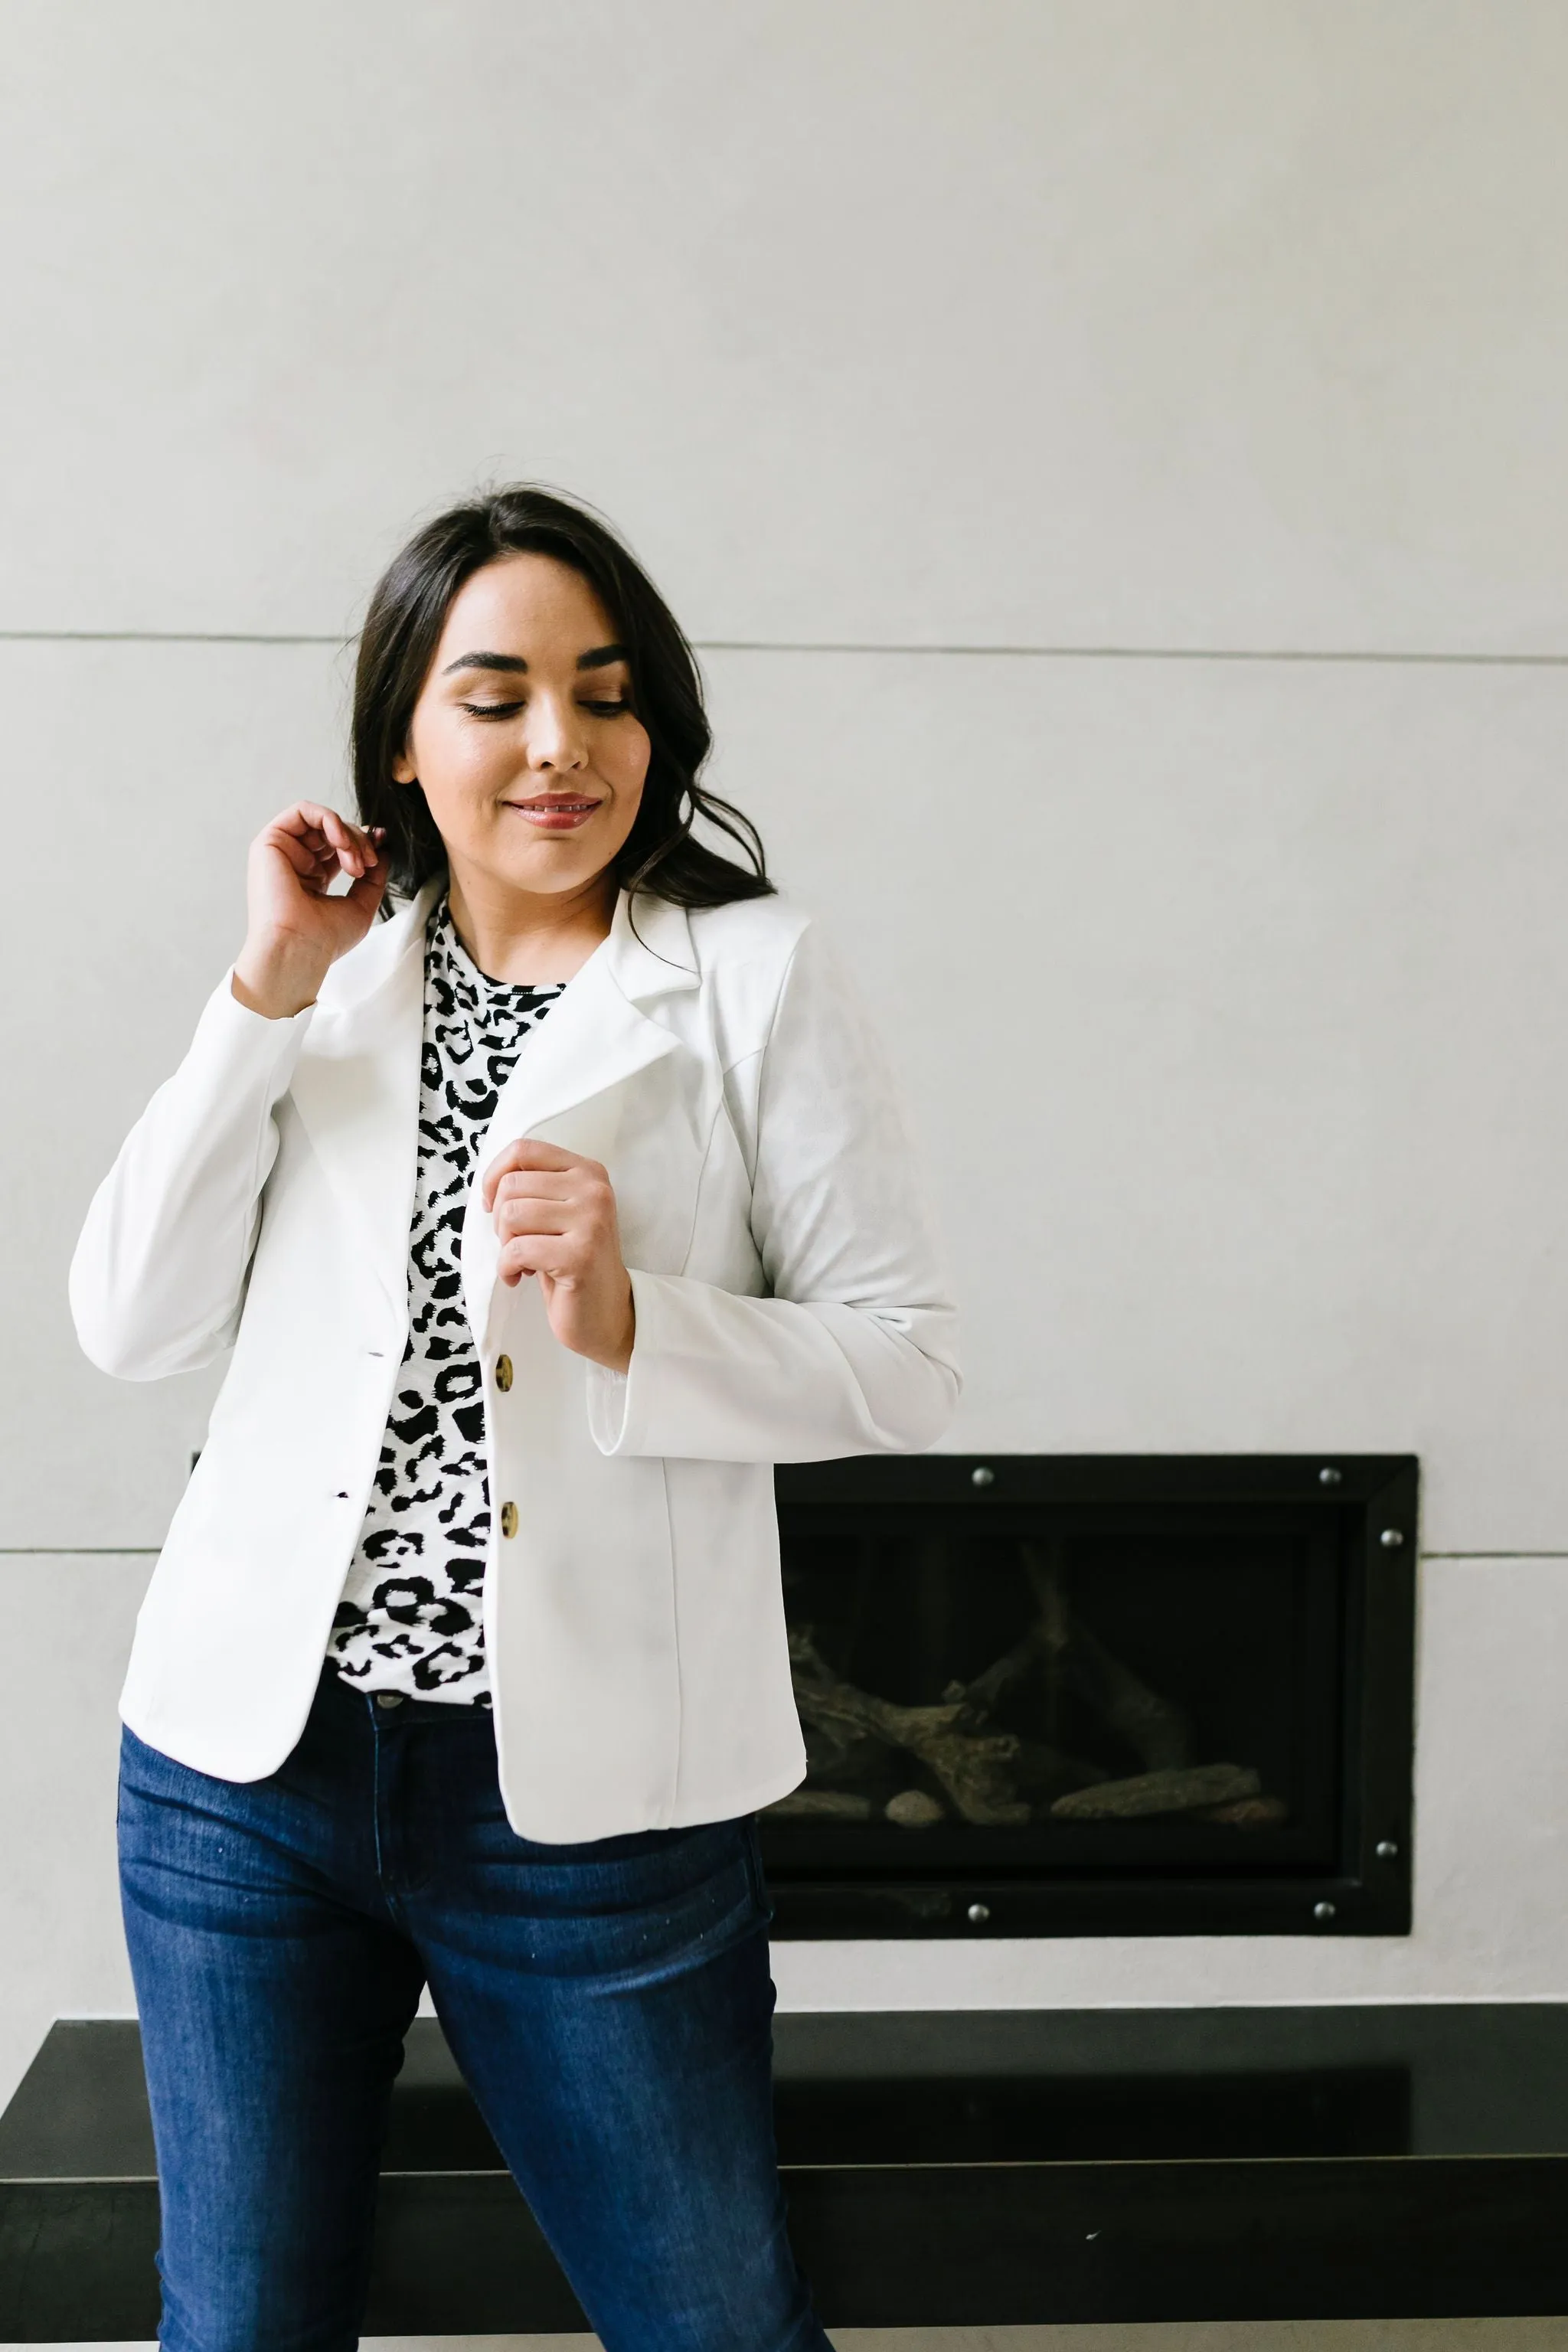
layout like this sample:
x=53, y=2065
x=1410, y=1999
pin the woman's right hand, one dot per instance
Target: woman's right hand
x=296, y=931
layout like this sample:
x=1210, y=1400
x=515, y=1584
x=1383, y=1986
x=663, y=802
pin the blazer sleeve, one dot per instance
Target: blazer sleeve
x=158, y=1275
x=855, y=1352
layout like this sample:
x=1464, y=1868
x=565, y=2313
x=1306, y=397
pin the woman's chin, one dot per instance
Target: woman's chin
x=551, y=867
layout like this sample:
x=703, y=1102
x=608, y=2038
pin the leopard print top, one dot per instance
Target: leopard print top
x=409, y=1618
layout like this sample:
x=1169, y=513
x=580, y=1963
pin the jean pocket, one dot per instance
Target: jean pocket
x=752, y=1848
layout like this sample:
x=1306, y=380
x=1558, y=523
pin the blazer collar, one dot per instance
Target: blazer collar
x=356, y=1084
x=602, y=1029
x=352, y=986
x=649, y=951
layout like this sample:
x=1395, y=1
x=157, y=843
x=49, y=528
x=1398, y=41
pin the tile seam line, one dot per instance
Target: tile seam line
x=1330, y=655
x=1415, y=657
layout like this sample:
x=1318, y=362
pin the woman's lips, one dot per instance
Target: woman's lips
x=562, y=813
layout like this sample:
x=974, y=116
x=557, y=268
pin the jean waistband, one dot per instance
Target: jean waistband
x=339, y=1691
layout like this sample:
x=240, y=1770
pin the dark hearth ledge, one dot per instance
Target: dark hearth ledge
x=944, y=2168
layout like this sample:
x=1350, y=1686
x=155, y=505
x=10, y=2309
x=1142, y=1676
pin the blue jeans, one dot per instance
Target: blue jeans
x=609, y=2005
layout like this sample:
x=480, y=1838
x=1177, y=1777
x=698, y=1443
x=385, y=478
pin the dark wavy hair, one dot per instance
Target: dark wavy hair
x=397, y=645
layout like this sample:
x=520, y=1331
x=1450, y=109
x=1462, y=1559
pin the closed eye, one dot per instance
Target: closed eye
x=600, y=709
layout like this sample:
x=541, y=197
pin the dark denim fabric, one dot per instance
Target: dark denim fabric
x=609, y=2004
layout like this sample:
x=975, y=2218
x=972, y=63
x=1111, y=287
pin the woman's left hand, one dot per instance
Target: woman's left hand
x=555, y=1215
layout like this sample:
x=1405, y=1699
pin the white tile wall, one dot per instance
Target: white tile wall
x=1230, y=1000
x=1049, y=320
x=135, y=776
x=1227, y=994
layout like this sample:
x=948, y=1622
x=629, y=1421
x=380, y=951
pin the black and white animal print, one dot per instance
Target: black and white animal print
x=409, y=1619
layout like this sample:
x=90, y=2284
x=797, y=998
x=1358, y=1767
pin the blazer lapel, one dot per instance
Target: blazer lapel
x=356, y=1085
x=596, y=1037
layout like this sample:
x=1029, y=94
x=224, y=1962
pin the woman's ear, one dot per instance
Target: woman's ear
x=403, y=770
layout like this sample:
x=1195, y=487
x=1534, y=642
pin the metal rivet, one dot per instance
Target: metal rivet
x=980, y=1477
x=1386, y=1851
x=503, y=1373
x=389, y=1698
x=1324, y=1911
x=1329, y=1476
x=509, y=1518
x=1391, y=1539
x=978, y=1914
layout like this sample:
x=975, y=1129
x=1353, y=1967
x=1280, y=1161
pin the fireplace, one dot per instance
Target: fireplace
x=1098, y=1695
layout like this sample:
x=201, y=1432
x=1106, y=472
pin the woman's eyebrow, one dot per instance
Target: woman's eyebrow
x=600, y=657
x=511, y=662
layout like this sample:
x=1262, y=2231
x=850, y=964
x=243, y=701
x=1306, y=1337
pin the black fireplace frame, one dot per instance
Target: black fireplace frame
x=1374, y=1499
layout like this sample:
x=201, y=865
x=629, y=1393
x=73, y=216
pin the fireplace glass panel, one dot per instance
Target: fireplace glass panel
x=1159, y=1691
x=1030, y=1687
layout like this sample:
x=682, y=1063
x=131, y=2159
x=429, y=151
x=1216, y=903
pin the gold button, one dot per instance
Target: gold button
x=503, y=1373
x=509, y=1518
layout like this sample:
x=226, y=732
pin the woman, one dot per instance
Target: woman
x=542, y=1219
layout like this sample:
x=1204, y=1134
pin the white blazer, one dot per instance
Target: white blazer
x=790, y=1302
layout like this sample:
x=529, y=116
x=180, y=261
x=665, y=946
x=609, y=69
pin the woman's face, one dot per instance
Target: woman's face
x=524, y=737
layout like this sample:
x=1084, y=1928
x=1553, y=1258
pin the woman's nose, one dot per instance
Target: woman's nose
x=555, y=734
